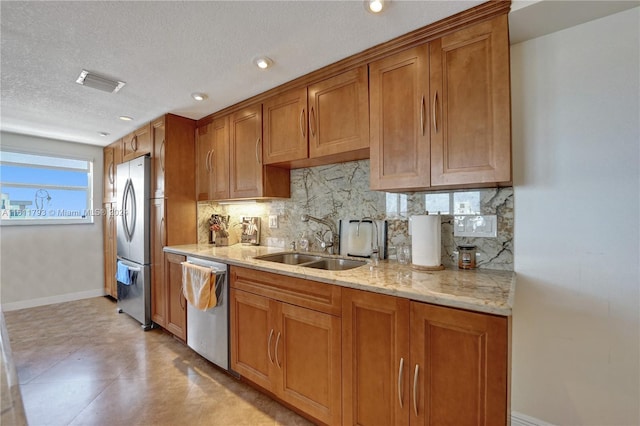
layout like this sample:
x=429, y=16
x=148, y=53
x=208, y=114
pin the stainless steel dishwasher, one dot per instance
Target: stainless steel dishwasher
x=208, y=331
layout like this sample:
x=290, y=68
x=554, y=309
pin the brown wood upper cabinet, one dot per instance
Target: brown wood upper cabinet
x=470, y=105
x=112, y=156
x=173, y=141
x=249, y=177
x=408, y=362
x=399, y=87
x=137, y=143
x=440, y=112
x=327, y=121
x=212, y=160
x=109, y=175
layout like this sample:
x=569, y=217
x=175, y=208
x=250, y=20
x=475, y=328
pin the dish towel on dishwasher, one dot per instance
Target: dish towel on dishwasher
x=198, y=286
x=122, y=273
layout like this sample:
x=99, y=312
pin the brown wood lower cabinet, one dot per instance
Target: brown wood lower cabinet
x=110, y=250
x=176, y=304
x=413, y=363
x=288, y=349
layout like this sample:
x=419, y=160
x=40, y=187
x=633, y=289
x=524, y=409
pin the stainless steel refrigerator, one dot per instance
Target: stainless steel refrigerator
x=134, y=257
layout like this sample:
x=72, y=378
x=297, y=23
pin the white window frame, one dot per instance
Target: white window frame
x=41, y=216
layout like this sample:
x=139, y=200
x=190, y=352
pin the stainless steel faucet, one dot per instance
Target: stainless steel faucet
x=333, y=245
x=375, y=250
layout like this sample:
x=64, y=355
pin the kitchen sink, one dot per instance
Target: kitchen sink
x=312, y=261
x=290, y=258
x=333, y=264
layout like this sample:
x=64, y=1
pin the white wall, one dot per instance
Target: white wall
x=576, y=321
x=43, y=264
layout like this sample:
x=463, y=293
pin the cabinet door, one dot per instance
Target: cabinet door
x=158, y=138
x=212, y=160
x=252, y=337
x=110, y=255
x=246, y=153
x=376, y=364
x=137, y=143
x=158, y=241
x=399, y=90
x=109, y=175
x=471, y=131
x=339, y=114
x=204, y=145
x=219, y=160
x=285, y=127
x=459, y=366
x=308, y=356
x=176, y=303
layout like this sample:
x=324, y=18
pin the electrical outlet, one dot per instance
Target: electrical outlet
x=273, y=221
x=476, y=226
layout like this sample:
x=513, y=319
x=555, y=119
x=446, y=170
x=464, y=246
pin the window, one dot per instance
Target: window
x=41, y=189
x=396, y=205
x=456, y=203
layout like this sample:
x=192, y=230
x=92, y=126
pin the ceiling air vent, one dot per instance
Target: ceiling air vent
x=99, y=82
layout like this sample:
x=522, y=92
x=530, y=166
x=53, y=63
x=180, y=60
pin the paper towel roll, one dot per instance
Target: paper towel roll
x=425, y=240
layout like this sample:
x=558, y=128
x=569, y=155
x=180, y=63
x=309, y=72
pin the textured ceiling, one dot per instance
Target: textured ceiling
x=166, y=50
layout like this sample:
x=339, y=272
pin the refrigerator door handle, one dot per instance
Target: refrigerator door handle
x=134, y=209
x=129, y=196
x=125, y=196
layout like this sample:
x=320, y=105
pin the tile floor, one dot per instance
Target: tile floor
x=82, y=363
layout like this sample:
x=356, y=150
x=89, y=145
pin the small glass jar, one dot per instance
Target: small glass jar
x=467, y=257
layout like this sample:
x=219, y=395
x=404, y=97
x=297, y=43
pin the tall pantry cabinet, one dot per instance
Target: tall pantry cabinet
x=112, y=156
x=173, y=212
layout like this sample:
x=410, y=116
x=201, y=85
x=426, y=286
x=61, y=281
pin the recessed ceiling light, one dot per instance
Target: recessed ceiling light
x=199, y=96
x=375, y=6
x=103, y=134
x=125, y=118
x=263, y=62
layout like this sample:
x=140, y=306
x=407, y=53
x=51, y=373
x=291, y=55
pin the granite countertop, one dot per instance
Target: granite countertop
x=480, y=290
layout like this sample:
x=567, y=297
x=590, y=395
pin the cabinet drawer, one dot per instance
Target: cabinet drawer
x=296, y=291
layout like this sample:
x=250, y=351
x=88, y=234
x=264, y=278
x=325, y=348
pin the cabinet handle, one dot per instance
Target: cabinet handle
x=400, y=369
x=277, y=343
x=415, y=390
x=134, y=144
x=181, y=299
x=302, y=123
x=435, y=121
x=111, y=173
x=422, y=115
x=269, y=346
x=312, y=123
x=206, y=161
x=162, y=233
x=257, y=146
x=213, y=151
x=162, y=156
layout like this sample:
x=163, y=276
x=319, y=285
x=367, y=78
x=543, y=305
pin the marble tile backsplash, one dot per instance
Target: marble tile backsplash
x=341, y=191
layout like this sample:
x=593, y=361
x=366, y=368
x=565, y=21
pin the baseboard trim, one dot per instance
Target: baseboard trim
x=69, y=297
x=519, y=419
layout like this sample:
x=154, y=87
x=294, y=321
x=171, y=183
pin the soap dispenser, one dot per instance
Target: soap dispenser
x=304, y=242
